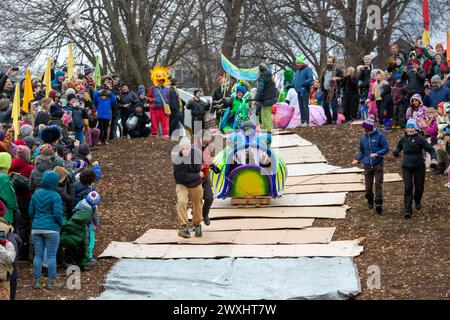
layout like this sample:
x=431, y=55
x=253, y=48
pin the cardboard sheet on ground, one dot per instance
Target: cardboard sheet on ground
x=288, y=140
x=329, y=212
x=258, y=224
x=325, y=188
x=301, y=155
x=337, y=178
x=309, y=235
x=294, y=200
x=232, y=279
x=348, y=248
x=295, y=170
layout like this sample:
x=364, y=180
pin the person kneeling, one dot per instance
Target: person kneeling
x=140, y=130
x=188, y=177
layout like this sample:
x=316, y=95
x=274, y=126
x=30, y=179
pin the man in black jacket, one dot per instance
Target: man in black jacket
x=127, y=102
x=187, y=165
x=198, y=111
x=416, y=79
x=266, y=96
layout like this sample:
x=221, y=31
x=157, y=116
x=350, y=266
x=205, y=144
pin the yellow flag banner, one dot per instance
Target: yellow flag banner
x=16, y=111
x=70, y=62
x=48, y=77
x=28, y=95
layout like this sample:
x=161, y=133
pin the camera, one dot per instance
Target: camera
x=2, y=235
x=15, y=69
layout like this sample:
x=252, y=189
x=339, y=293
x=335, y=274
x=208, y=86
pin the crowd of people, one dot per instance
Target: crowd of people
x=48, y=177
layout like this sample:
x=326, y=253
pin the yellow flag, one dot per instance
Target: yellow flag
x=16, y=111
x=48, y=77
x=426, y=37
x=70, y=63
x=28, y=95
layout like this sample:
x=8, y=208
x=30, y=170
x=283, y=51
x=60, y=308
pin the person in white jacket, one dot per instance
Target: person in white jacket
x=7, y=256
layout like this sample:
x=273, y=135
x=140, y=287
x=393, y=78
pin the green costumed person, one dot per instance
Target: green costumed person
x=237, y=109
x=288, y=76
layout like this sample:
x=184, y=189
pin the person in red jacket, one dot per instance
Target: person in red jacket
x=21, y=165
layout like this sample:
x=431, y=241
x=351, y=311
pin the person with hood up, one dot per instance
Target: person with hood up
x=58, y=81
x=47, y=219
x=373, y=146
x=21, y=165
x=417, y=111
x=413, y=145
x=75, y=235
x=7, y=193
x=266, y=96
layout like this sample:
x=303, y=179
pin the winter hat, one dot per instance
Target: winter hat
x=93, y=198
x=5, y=161
x=70, y=91
x=54, y=108
x=79, y=164
x=439, y=46
x=367, y=57
x=51, y=134
x=30, y=141
x=417, y=97
x=242, y=89
x=62, y=172
x=369, y=123
x=412, y=123
x=20, y=142
x=185, y=142
x=300, y=58
x=436, y=78
x=25, y=130
x=12, y=150
x=41, y=127
x=84, y=150
x=141, y=90
x=27, y=118
x=71, y=96
x=47, y=150
x=23, y=152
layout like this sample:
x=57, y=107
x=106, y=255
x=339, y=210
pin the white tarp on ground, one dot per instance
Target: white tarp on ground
x=233, y=279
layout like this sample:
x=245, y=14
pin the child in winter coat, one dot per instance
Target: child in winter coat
x=388, y=105
x=376, y=101
x=416, y=111
x=430, y=132
x=76, y=235
x=373, y=146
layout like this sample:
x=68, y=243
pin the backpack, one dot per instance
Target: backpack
x=20, y=183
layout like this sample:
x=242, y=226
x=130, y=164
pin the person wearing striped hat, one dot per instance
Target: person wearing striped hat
x=413, y=144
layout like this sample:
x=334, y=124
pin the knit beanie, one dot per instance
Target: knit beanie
x=436, y=78
x=26, y=130
x=23, y=152
x=93, y=198
x=20, y=142
x=5, y=161
x=369, y=123
x=300, y=58
x=30, y=141
x=70, y=91
x=412, y=123
x=47, y=150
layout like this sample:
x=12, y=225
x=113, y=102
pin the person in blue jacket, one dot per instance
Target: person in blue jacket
x=302, y=84
x=104, y=101
x=373, y=146
x=47, y=219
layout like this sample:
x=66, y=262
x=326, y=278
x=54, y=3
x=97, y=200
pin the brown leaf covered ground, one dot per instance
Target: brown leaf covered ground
x=138, y=193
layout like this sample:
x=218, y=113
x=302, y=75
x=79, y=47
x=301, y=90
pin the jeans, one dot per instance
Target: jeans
x=79, y=135
x=303, y=102
x=49, y=241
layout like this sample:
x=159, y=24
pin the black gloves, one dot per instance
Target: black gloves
x=395, y=153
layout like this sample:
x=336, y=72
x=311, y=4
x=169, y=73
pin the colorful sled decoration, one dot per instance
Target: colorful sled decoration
x=248, y=167
x=239, y=73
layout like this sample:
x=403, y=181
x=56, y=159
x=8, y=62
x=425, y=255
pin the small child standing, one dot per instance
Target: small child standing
x=400, y=98
x=373, y=146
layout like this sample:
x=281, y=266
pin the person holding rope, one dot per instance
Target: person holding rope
x=373, y=146
x=413, y=144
